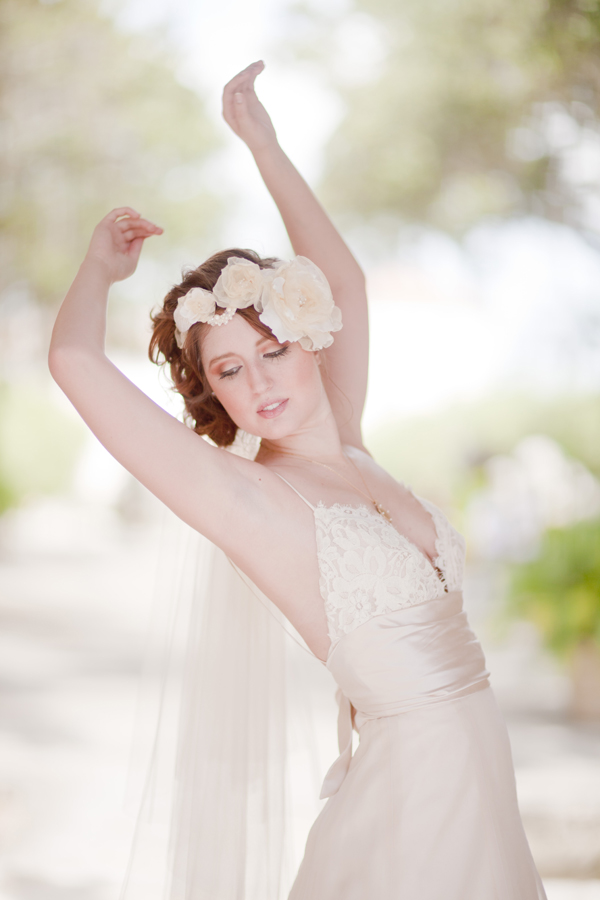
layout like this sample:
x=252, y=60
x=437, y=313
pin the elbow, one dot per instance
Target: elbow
x=71, y=366
x=59, y=364
x=54, y=361
x=65, y=365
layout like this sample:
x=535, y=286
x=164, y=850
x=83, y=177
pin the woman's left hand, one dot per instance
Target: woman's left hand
x=117, y=241
x=244, y=113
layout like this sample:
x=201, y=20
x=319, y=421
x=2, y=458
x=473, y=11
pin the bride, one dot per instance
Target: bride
x=369, y=574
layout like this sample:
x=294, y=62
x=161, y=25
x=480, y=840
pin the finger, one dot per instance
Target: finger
x=135, y=248
x=139, y=224
x=246, y=84
x=250, y=71
x=131, y=233
x=242, y=82
x=243, y=101
x=247, y=74
x=134, y=235
x=235, y=101
x=240, y=104
x=126, y=224
x=229, y=109
x=115, y=214
x=127, y=234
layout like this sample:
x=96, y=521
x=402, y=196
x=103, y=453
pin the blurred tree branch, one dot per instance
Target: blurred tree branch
x=91, y=119
x=471, y=108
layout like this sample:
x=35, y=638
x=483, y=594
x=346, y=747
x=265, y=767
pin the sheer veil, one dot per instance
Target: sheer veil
x=227, y=741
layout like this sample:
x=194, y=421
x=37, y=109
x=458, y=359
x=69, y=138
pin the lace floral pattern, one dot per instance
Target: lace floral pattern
x=450, y=546
x=367, y=568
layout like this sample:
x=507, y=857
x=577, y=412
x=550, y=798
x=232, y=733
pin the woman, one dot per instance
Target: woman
x=368, y=574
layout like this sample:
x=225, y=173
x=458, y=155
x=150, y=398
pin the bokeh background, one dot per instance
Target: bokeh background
x=457, y=146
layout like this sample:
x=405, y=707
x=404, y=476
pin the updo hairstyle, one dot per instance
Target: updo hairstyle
x=203, y=411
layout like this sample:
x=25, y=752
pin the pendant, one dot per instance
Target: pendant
x=382, y=512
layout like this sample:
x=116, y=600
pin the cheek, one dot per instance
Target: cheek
x=305, y=382
x=235, y=400
x=309, y=373
x=299, y=375
x=302, y=362
x=230, y=396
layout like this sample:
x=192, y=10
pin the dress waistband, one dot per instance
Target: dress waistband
x=405, y=660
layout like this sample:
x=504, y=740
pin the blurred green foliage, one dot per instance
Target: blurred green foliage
x=39, y=444
x=560, y=590
x=92, y=119
x=442, y=455
x=469, y=112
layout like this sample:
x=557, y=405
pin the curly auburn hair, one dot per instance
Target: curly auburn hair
x=203, y=411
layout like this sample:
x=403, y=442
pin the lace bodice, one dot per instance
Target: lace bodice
x=367, y=568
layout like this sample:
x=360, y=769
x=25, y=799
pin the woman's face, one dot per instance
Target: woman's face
x=269, y=389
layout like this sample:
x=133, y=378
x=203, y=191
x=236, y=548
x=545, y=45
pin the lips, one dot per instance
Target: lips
x=272, y=409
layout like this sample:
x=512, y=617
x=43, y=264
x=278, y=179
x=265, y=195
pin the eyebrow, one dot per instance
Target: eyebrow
x=261, y=340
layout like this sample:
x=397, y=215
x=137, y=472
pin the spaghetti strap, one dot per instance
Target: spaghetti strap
x=296, y=491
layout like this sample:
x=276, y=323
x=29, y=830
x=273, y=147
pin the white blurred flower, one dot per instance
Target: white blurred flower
x=534, y=488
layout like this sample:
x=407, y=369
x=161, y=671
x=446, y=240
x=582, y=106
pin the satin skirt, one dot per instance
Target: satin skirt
x=426, y=808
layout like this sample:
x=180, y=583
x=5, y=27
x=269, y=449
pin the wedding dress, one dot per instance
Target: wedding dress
x=426, y=808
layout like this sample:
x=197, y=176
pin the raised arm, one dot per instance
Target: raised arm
x=198, y=482
x=312, y=234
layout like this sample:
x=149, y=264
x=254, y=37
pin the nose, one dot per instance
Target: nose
x=259, y=378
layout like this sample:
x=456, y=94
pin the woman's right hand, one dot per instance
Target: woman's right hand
x=117, y=242
x=243, y=111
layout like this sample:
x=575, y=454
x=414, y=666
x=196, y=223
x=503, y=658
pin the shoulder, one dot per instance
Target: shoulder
x=356, y=450
x=362, y=458
x=267, y=495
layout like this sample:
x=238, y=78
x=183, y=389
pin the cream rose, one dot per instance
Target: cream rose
x=298, y=305
x=240, y=284
x=195, y=306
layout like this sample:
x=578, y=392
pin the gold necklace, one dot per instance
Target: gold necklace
x=378, y=506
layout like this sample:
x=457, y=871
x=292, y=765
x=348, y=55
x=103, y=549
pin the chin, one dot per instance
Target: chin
x=273, y=432
x=291, y=421
x=275, y=429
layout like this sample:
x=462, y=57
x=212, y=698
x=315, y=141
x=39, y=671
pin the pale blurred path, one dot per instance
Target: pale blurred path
x=76, y=589
x=76, y=594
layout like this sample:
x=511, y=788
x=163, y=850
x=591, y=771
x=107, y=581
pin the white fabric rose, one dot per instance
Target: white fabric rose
x=294, y=300
x=240, y=284
x=195, y=306
x=298, y=304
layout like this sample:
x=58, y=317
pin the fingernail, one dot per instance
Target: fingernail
x=239, y=98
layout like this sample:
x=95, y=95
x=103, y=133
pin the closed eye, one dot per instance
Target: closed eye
x=277, y=353
x=230, y=372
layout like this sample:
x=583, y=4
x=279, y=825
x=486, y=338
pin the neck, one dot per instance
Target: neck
x=319, y=442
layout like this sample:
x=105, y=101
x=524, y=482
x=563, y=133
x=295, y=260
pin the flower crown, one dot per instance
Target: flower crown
x=293, y=299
